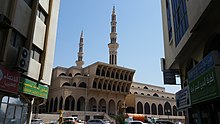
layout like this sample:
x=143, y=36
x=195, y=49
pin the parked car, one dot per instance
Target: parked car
x=96, y=121
x=69, y=120
x=163, y=122
x=135, y=122
x=37, y=121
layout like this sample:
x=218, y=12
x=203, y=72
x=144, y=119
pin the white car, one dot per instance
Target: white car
x=37, y=121
x=135, y=122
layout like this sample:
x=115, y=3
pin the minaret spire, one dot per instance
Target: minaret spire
x=113, y=45
x=80, y=61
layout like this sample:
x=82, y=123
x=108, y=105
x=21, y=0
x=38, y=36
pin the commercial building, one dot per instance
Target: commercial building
x=27, y=43
x=192, y=42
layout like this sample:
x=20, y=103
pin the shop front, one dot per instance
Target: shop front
x=13, y=109
x=204, y=86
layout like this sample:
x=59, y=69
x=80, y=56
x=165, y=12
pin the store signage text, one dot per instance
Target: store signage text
x=205, y=87
x=9, y=80
x=182, y=98
x=32, y=88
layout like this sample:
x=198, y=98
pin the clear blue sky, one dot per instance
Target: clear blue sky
x=140, y=36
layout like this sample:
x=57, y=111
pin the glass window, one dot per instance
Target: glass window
x=36, y=53
x=42, y=14
x=180, y=19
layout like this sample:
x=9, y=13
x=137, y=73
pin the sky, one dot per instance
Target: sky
x=139, y=29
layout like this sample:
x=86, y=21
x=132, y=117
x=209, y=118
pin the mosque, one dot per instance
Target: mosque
x=101, y=90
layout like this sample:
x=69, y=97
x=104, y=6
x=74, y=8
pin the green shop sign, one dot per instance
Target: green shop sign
x=32, y=88
x=205, y=87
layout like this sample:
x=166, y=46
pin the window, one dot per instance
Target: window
x=180, y=19
x=17, y=39
x=41, y=14
x=169, y=20
x=36, y=53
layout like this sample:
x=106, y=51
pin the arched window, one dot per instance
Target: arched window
x=55, y=105
x=113, y=87
x=156, y=95
x=160, y=109
x=83, y=85
x=118, y=88
x=109, y=86
x=117, y=75
x=130, y=78
x=81, y=104
x=103, y=72
x=61, y=103
x=139, y=108
x=135, y=93
x=108, y=74
x=126, y=77
x=145, y=87
x=62, y=74
x=154, y=109
x=121, y=76
x=174, y=111
x=167, y=109
x=51, y=105
x=94, y=85
x=66, y=84
x=104, y=86
x=77, y=74
x=98, y=71
x=142, y=93
x=146, y=108
x=112, y=75
x=100, y=85
x=122, y=90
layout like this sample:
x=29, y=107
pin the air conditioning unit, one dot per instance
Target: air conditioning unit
x=23, y=59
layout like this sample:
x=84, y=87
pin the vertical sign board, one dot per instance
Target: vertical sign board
x=205, y=87
x=183, y=99
x=169, y=77
x=9, y=80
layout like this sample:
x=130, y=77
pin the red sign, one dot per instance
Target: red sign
x=9, y=80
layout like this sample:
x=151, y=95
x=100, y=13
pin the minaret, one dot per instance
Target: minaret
x=80, y=61
x=113, y=45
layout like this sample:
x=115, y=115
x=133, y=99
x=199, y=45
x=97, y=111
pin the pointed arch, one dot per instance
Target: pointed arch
x=102, y=105
x=111, y=107
x=160, y=109
x=154, y=109
x=104, y=86
x=98, y=71
x=55, y=104
x=167, y=108
x=81, y=104
x=109, y=86
x=94, y=85
x=139, y=108
x=83, y=85
x=51, y=105
x=146, y=108
x=74, y=84
x=156, y=95
x=66, y=84
x=93, y=105
x=99, y=85
x=61, y=103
